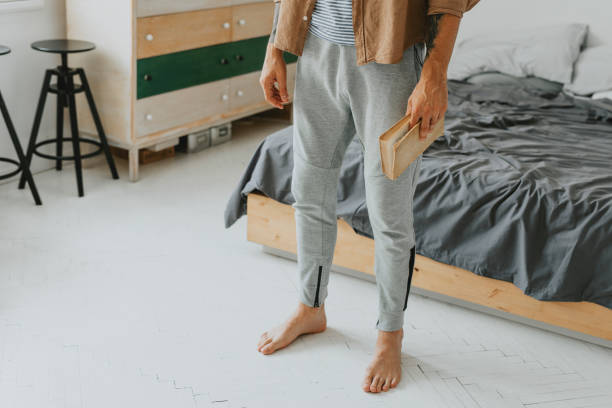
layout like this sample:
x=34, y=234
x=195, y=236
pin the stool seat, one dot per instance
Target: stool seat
x=4, y=50
x=63, y=46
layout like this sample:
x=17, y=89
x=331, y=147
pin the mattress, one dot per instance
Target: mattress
x=519, y=188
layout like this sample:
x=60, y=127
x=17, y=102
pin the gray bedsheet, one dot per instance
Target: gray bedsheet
x=519, y=188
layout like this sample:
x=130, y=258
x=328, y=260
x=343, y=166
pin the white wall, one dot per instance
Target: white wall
x=496, y=15
x=22, y=71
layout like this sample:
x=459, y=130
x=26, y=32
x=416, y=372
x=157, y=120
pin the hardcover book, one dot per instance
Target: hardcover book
x=400, y=145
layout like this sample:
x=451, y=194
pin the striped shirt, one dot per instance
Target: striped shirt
x=333, y=21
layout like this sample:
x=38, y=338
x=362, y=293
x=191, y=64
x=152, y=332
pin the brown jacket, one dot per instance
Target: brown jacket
x=383, y=28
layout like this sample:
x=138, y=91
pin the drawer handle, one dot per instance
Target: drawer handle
x=226, y=25
x=147, y=77
x=239, y=58
x=224, y=61
x=239, y=93
x=242, y=21
x=225, y=97
x=149, y=37
x=149, y=117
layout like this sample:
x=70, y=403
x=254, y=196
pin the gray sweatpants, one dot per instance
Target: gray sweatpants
x=334, y=100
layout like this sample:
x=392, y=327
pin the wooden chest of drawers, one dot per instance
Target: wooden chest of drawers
x=164, y=68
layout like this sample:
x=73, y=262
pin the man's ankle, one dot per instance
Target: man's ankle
x=309, y=309
x=391, y=334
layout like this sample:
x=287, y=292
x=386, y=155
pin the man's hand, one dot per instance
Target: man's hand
x=274, y=70
x=429, y=100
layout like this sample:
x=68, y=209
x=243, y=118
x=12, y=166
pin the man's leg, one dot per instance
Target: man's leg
x=379, y=95
x=323, y=128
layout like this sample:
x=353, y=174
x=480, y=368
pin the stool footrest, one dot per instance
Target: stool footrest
x=12, y=173
x=68, y=139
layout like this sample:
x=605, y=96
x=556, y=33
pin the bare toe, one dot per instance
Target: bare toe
x=262, y=340
x=269, y=348
x=367, y=383
x=264, y=343
x=374, y=385
x=379, y=386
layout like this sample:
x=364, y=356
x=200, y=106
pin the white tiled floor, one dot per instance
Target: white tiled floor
x=136, y=296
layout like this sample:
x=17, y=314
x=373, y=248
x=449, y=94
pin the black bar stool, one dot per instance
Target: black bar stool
x=65, y=89
x=20, y=162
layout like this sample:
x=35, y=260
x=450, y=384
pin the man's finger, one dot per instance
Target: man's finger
x=415, y=116
x=281, y=79
x=434, y=119
x=277, y=96
x=274, y=95
x=425, y=125
x=271, y=93
x=266, y=89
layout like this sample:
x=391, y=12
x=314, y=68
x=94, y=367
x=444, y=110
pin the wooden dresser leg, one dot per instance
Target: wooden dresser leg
x=133, y=164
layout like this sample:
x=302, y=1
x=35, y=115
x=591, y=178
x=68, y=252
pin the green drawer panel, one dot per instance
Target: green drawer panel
x=170, y=72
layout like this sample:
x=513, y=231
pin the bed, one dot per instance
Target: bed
x=522, y=226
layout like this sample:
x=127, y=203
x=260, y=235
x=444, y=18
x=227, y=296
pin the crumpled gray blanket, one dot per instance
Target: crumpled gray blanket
x=519, y=188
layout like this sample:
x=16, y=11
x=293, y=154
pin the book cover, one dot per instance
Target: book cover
x=400, y=145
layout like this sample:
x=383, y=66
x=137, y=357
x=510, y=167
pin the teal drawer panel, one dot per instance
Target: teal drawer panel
x=170, y=72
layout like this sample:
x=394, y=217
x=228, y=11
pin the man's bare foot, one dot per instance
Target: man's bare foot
x=385, y=371
x=304, y=320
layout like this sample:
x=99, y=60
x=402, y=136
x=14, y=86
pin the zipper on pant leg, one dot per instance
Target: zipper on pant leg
x=411, y=268
x=316, y=300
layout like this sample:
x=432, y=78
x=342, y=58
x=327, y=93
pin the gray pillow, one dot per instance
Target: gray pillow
x=593, y=71
x=494, y=78
x=546, y=52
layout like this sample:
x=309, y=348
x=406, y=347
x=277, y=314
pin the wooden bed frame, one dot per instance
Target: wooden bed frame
x=272, y=224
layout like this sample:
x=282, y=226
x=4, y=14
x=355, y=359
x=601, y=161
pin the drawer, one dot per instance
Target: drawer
x=170, y=72
x=252, y=20
x=183, y=31
x=147, y=8
x=245, y=90
x=178, y=108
